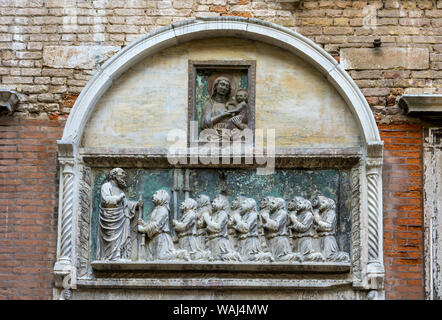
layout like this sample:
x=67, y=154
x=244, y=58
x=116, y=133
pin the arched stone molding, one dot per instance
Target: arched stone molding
x=367, y=243
x=221, y=26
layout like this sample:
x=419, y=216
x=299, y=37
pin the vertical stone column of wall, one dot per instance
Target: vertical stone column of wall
x=64, y=266
x=67, y=211
x=375, y=268
x=432, y=161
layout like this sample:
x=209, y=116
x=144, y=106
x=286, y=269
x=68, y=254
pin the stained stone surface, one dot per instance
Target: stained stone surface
x=345, y=293
x=384, y=58
x=275, y=267
x=84, y=57
x=151, y=99
x=286, y=183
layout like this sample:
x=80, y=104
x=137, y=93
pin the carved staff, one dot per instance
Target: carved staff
x=141, y=248
x=187, y=184
x=175, y=194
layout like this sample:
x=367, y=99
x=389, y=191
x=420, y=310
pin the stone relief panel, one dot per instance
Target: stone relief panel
x=232, y=216
x=221, y=99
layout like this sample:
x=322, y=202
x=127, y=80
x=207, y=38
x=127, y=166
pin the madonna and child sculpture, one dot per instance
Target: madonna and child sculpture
x=217, y=231
x=225, y=118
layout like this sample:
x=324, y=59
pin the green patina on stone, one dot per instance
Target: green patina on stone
x=287, y=184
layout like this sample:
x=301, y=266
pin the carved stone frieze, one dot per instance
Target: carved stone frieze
x=217, y=230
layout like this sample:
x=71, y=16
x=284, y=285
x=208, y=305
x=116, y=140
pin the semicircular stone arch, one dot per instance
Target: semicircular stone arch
x=323, y=129
x=251, y=29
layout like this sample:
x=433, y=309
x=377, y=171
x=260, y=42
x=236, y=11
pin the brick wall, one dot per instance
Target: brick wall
x=30, y=31
x=28, y=207
x=403, y=212
x=37, y=37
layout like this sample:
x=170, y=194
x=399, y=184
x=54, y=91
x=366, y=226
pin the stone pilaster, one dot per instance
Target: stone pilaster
x=375, y=268
x=63, y=266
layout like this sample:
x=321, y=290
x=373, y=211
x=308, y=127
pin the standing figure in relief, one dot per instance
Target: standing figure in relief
x=249, y=246
x=276, y=232
x=301, y=224
x=234, y=217
x=324, y=216
x=186, y=231
x=160, y=244
x=116, y=213
x=220, y=247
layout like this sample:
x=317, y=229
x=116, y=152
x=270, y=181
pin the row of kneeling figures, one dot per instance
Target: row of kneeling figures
x=219, y=231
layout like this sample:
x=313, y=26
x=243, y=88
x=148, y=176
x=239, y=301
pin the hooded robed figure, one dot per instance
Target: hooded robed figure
x=160, y=245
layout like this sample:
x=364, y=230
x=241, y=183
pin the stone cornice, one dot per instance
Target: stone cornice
x=426, y=106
